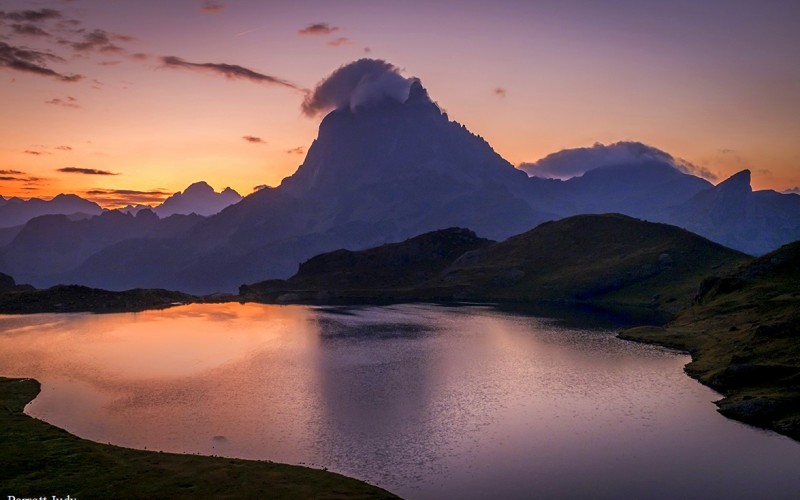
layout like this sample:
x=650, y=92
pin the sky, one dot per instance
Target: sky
x=129, y=101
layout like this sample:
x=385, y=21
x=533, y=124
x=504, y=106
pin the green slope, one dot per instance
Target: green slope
x=744, y=338
x=37, y=459
x=610, y=260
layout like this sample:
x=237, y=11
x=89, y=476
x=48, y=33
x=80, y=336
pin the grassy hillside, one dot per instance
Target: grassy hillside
x=744, y=338
x=383, y=272
x=610, y=260
x=38, y=459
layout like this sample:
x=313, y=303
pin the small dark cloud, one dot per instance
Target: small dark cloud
x=253, y=139
x=85, y=171
x=109, y=63
x=100, y=41
x=64, y=148
x=296, y=151
x=29, y=29
x=727, y=151
x=367, y=50
x=67, y=102
x=763, y=171
x=211, y=7
x=32, y=152
x=122, y=197
x=32, y=61
x=792, y=190
x=11, y=172
x=140, y=56
x=260, y=187
x=31, y=15
x=338, y=42
x=231, y=71
x=318, y=29
x=500, y=92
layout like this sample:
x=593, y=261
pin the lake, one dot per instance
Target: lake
x=426, y=401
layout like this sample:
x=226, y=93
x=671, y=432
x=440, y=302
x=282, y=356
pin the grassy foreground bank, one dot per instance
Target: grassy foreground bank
x=38, y=459
x=743, y=333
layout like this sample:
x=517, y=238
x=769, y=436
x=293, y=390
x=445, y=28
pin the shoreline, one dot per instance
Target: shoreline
x=38, y=458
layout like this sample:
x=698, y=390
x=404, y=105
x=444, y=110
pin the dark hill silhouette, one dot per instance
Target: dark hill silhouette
x=394, y=265
x=600, y=259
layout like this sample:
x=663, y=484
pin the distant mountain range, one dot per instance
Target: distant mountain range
x=199, y=198
x=385, y=172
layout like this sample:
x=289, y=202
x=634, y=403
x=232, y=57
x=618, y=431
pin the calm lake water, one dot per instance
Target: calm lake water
x=426, y=401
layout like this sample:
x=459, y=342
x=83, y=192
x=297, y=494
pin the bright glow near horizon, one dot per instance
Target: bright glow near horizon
x=714, y=83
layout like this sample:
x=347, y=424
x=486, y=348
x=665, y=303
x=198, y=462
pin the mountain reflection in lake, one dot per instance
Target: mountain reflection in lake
x=426, y=401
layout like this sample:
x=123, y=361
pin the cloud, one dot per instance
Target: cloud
x=792, y=190
x=575, y=162
x=500, y=92
x=29, y=30
x=358, y=84
x=260, y=187
x=64, y=148
x=211, y=7
x=85, y=171
x=253, y=139
x=140, y=56
x=31, y=152
x=122, y=197
x=32, y=61
x=231, y=71
x=14, y=176
x=296, y=151
x=67, y=102
x=31, y=15
x=100, y=41
x=338, y=42
x=318, y=29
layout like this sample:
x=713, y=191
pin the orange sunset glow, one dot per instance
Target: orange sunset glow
x=128, y=102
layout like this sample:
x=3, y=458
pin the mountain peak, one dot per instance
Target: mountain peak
x=199, y=198
x=738, y=182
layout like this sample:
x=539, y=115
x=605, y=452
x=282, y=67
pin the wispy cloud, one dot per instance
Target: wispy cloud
x=29, y=29
x=122, y=197
x=253, y=139
x=67, y=102
x=11, y=172
x=318, y=29
x=295, y=151
x=32, y=61
x=64, y=148
x=338, y=42
x=85, y=171
x=100, y=41
x=211, y=7
x=500, y=92
x=232, y=71
x=35, y=153
x=31, y=15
